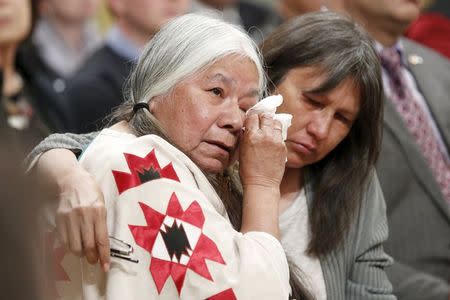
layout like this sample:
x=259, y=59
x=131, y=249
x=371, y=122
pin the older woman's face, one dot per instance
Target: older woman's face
x=15, y=21
x=320, y=122
x=204, y=114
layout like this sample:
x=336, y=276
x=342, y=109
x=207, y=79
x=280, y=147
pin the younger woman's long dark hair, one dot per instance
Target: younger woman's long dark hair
x=341, y=50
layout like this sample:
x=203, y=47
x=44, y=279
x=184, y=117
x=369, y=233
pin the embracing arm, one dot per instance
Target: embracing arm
x=81, y=214
x=70, y=141
x=368, y=279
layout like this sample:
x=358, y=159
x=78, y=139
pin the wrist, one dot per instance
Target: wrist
x=261, y=183
x=260, y=209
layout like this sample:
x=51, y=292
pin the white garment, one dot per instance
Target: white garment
x=295, y=237
x=204, y=258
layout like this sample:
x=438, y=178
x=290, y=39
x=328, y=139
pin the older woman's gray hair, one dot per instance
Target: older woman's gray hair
x=183, y=47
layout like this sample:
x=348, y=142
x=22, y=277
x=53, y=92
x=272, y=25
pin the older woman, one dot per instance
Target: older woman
x=169, y=229
x=332, y=213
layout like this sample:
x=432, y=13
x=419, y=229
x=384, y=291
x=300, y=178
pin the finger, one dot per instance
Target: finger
x=102, y=239
x=251, y=123
x=278, y=129
x=88, y=239
x=61, y=228
x=265, y=121
x=74, y=238
x=277, y=125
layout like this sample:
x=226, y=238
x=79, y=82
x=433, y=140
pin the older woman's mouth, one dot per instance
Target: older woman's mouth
x=228, y=148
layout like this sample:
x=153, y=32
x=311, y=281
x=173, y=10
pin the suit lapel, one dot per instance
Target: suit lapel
x=393, y=122
x=433, y=87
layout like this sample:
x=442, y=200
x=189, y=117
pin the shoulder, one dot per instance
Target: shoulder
x=103, y=63
x=133, y=161
x=429, y=56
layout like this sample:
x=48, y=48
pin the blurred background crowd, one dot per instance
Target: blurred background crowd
x=63, y=67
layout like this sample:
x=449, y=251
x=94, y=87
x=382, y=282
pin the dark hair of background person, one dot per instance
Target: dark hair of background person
x=341, y=50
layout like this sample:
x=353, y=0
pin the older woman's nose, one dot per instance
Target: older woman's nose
x=320, y=124
x=232, y=117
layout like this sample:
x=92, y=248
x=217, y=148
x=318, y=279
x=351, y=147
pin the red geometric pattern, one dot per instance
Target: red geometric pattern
x=160, y=269
x=55, y=255
x=142, y=169
x=416, y=120
x=225, y=295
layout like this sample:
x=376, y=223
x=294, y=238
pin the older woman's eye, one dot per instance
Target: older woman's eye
x=217, y=91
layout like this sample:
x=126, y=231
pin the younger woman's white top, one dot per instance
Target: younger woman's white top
x=295, y=237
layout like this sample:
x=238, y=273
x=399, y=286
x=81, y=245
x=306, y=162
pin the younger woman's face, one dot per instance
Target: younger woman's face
x=320, y=121
x=15, y=21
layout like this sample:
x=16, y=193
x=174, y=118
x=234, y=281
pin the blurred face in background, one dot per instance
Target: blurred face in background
x=147, y=16
x=71, y=11
x=291, y=8
x=15, y=21
x=390, y=14
x=218, y=4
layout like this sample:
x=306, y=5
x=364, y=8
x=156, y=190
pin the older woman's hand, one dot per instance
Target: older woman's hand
x=262, y=158
x=262, y=153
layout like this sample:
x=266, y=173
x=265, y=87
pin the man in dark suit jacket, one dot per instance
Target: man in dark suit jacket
x=418, y=207
x=98, y=87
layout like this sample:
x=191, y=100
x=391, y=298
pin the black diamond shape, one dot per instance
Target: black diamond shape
x=176, y=240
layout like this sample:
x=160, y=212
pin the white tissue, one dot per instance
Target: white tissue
x=269, y=106
x=285, y=120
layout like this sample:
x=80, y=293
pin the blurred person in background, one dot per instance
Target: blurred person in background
x=291, y=8
x=414, y=164
x=97, y=87
x=64, y=37
x=21, y=274
x=20, y=115
x=19, y=129
x=256, y=19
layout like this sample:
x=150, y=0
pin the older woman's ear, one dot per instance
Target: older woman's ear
x=151, y=106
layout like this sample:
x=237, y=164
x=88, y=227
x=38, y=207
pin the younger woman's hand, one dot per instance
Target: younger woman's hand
x=81, y=217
